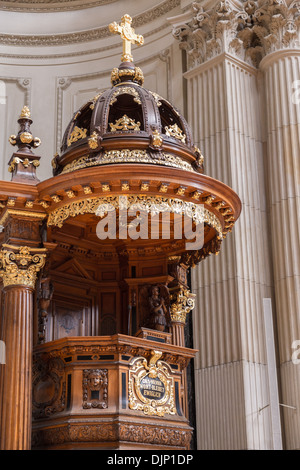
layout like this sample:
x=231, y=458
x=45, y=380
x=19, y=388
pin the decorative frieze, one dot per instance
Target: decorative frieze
x=102, y=204
x=161, y=435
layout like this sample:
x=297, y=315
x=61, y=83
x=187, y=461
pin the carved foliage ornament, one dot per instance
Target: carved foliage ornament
x=26, y=162
x=101, y=205
x=249, y=31
x=128, y=156
x=125, y=123
x=20, y=265
x=106, y=431
x=76, y=134
x=176, y=132
x=151, y=386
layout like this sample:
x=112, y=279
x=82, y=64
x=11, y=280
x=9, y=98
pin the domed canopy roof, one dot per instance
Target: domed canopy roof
x=128, y=116
x=128, y=148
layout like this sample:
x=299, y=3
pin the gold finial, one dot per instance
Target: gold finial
x=128, y=35
x=25, y=113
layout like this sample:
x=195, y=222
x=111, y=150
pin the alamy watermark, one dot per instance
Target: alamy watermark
x=151, y=221
x=2, y=92
x=296, y=353
x=296, y=92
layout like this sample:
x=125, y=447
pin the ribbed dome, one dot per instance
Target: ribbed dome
x=128, y=118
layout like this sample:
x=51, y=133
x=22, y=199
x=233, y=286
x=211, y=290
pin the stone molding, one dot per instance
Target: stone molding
x=249, y=31
x=52, y=5
x=88, y=35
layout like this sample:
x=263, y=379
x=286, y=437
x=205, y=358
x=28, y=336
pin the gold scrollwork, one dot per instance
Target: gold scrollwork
x=135, y=74
x=176, y=132
x=125, y=123
x=125, y=90
x=127, y=156
x=99, y=205
x=94, y=100
x=151, y=386
x=76, y=135
x=20, y=265
x=12, y=139
x=26, y=162
x=37, y=142
x=183, y=303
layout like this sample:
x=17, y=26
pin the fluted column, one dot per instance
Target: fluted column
x=224, y=108
x=18, y=268
x=231, y=370
x=281, y=72
x=182, y=303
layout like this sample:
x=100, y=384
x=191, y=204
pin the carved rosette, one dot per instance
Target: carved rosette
x=249, y=31
x=20, y=265
x=183, y=301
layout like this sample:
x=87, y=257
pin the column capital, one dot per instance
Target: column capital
x=183, y=301
x=248, y=30
x=19, y=265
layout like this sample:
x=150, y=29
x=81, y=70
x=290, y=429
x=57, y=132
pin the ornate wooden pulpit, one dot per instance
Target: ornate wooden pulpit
x=94, y=267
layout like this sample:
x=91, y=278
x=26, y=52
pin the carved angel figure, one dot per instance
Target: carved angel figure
x=154, y=302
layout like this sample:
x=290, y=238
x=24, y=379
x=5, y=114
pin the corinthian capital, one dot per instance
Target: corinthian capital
x=20, y=265
x=272, y=25
x=248, y=30
x=183, y=301
x=209, y=32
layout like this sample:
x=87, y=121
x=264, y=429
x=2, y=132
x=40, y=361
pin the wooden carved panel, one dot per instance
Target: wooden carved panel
x=108, y=323
x=70, y=316
x=95, y=388
x=68, y=321
x=48, y=388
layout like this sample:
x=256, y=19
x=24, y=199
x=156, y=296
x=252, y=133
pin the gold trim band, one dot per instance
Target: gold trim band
x=127, y=156
x=100, y=205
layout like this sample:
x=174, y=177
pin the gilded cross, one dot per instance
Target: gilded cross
x=128, y=35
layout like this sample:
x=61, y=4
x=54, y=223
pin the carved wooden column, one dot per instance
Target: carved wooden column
x=19, y=267
x=183, y=303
